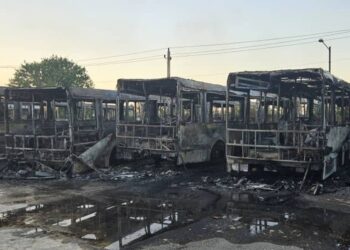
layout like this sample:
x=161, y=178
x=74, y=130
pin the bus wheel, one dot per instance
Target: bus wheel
x=218, y=152
x=113, y=161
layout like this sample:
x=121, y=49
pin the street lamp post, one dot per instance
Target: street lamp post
x=329, y=53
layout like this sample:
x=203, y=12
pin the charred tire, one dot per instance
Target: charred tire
x=113, y=157
x=217, y=153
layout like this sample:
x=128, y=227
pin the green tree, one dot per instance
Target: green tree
x=51, y=72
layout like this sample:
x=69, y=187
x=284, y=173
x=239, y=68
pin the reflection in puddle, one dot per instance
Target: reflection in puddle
x=137, y=218
x=86, y=206
x=64, y=223
x=4, y=208
x=124, y=221
x=33, y=231
x=8, y=210
x=252, y=221
x=261, y=225
x=89, y=237
x=148, y=230
x=86, y=217
x=68, y=222
x=3, y=215
x=34, y=207
x=110, y=225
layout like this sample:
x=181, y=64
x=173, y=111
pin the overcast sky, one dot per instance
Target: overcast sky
x=83, y=29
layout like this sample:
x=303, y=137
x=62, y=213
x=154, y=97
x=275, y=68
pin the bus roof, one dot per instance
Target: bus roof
x=307, y=81
x=166, y=86
x=25, y=94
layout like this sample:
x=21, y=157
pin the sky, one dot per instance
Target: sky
x=85, y=29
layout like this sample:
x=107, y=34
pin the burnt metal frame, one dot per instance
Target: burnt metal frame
x=332, y=90
x=198, y=88
x=45, y=146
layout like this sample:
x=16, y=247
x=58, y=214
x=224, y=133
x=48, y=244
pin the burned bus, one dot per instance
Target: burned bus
x=49, y=124
x=288, y=118
x=179, y=120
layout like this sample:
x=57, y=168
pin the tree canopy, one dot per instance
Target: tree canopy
x=51, y=72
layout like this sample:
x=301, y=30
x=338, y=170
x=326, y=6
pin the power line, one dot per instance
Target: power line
x=264, y=46
x=297, y=38
x=261, y=40
x=337, y=38
x=287, y=66
x=241, y=50
x=140, y=59
x=216, y=52
x=209, y=74
x=328, y=33
x=226, y=73
x=121, y=55
x=7, y=67
x=258, y=45
x=294, y=41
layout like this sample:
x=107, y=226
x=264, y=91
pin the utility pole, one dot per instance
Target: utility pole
x=329, y=53
x=168, y=59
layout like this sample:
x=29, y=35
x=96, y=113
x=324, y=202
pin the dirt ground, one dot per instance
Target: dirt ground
x=172, y=208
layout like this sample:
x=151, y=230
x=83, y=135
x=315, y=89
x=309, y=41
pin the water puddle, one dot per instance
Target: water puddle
x=105, y=225
x=311, y=228
x=126, y=220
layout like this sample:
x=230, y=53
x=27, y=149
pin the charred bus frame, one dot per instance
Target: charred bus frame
x=289, y=118
x=178, y=120
x=49, y=124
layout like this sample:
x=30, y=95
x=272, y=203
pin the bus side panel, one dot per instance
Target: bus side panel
x=196, y=141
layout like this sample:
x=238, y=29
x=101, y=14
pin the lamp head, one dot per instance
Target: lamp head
x=320, y=40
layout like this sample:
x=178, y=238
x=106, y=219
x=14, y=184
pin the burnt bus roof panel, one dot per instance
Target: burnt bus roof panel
x=25, y=94
x=291, y=79
x=268, y=75
x=102, y=94
x=91, y=94
x=168, y=86
x=211, y=87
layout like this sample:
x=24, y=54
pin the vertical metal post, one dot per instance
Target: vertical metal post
x=70, y=108
x=204, y=107
x=6, y=122
x=98, y=118
x=227, y=124
x=342, y=110
x=117, y=112
x=33, y=128
x=278, y=102
x=178, y=111
x=333, y=109
x=6, y=113
x=54, y=117
x=329, y=58
x=247, y=109
x=323, y=104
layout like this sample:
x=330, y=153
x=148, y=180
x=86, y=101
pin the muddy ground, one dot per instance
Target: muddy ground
x=142, y=206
